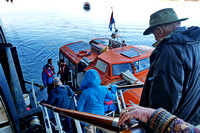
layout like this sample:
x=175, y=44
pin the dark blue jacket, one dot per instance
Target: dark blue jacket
x=47, y=80
x=173, y=81
x=59, y=97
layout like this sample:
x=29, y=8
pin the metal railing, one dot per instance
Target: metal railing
x=104, y=122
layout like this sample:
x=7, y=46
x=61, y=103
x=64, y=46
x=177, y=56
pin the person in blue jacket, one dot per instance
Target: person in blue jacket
x=60, y=97
x=93, y=96
x=47, y=77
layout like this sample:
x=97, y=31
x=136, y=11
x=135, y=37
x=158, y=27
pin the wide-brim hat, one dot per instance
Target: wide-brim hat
x=163, y=16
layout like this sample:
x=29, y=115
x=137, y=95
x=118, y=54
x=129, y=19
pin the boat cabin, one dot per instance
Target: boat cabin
x=109, y=58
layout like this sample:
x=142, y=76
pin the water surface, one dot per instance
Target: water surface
x=39, y=27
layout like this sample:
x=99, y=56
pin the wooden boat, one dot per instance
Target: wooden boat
x=116, y=63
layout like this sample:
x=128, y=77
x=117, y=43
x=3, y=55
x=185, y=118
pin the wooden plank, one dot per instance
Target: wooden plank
x=3, y=116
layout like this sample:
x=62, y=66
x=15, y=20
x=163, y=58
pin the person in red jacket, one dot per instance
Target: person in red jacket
x=63, y=71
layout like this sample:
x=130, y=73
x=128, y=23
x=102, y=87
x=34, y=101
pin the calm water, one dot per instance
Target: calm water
x=39, y=27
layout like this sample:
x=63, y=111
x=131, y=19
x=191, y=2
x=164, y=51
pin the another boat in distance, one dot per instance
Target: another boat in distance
x=115, y=62
x=86, y=6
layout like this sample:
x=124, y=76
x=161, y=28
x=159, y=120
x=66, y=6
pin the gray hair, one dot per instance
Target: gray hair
x=168, y=28
x=56, y=81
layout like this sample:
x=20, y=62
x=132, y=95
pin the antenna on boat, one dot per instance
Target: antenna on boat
x=115, y=35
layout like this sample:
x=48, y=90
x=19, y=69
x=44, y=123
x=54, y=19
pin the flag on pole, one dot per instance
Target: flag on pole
x=112, y=21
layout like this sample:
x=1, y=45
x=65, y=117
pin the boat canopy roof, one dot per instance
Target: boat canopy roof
x=111, y=56
x=124, y=55
x=72, y=49
x=79, y=46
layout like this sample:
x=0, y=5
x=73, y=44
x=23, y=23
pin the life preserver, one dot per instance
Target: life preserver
x=83, y=53
x=52, y=67
x=62, y=69
x=48, y=73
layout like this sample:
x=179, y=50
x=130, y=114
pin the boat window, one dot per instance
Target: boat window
x=66, y=61
x=101, y=65
x=61, y=56
x=117, y=69
x=141, y=65
x=73, y=68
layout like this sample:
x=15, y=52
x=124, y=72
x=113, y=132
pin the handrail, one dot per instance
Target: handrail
x=101, y=121
x=123, y=87
x=106, y=122
x=36, y=84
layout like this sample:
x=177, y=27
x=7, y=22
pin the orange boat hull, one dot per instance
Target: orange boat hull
x=134, y=95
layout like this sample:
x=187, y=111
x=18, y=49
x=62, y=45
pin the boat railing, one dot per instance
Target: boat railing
x=121, y=103
x=110, y=113
x=114, y=43
x=71, y=77
x=122, y=99
x=57, y=125
x=34, y=96
x=47, y=121
x=106, y=123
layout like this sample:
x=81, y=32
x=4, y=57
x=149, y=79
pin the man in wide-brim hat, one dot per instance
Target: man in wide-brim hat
x=162, y=23
x=173, y=79
x=162, y=17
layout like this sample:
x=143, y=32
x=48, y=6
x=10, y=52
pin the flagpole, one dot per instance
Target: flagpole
x=114, y=23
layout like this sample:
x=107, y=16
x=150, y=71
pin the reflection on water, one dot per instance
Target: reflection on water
x=38, y=28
